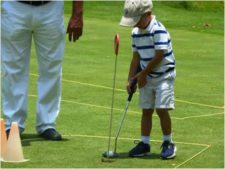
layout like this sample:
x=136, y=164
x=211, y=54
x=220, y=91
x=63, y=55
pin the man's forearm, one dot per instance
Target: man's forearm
x=77, y=8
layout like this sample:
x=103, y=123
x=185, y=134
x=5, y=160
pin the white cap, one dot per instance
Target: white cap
x=133, y=11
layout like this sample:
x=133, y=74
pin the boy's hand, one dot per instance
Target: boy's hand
x=141, y=78
x=129, y=87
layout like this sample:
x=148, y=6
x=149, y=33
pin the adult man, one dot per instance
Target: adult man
x=44, y=22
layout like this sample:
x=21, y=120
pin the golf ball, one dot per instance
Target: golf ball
x=108, y=154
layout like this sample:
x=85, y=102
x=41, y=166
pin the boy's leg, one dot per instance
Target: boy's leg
x=165, y=121
x=143, y=147
x=146, y=123
x=146, y=102
x=168, y=148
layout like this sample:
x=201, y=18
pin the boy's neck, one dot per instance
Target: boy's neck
x=148, y=21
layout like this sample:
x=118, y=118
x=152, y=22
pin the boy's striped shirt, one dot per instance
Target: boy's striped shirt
x=146, y=42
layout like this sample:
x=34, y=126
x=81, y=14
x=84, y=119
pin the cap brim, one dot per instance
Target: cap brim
x=129, y=21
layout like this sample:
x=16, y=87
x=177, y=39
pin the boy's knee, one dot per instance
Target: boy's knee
x=162, y=112
x=147, y=112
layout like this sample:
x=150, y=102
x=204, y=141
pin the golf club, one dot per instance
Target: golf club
x=114, y=154
x=133, y=87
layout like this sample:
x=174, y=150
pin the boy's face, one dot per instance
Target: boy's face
x=144, y=21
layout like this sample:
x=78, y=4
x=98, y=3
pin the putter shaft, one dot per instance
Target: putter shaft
x=121, y=124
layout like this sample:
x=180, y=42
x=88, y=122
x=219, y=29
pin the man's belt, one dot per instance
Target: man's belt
x=35, y=3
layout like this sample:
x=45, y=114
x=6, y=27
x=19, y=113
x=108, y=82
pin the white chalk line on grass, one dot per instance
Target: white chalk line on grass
x=191, y=158
x=91, y=105
x=205, y=115
x=134, y=112
x=127, y=138
x=206, y=146
x=121, y=90
x=199, y=104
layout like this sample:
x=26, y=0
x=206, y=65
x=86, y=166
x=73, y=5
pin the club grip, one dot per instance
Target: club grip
x=133, y=85
x=132, y=89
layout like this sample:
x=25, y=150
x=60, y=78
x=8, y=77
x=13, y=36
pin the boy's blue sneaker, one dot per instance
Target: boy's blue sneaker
x=168, y=150
x=140, y=150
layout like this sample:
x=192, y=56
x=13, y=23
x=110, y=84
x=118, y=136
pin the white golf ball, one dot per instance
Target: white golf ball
x=109, y=154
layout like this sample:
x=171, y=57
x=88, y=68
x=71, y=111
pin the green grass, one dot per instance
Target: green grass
x=85, y=107
x=216, y=6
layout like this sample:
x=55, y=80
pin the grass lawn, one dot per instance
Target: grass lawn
x=198, y=120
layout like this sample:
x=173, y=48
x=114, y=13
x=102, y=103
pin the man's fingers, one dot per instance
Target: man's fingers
x=74, y=36
x=78, y=33
x=70, y=36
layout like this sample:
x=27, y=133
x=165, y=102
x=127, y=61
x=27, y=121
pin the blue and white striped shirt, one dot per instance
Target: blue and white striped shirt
x=146, y=42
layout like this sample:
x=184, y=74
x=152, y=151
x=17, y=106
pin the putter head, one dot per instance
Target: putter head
x=110, y=154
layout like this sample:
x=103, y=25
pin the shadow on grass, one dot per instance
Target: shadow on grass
x=27, y=138
x=124, y=155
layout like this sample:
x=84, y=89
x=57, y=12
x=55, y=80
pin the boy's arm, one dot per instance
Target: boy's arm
x=133, y=69
x=142, y=76
x=75, y=25
x=154, y=62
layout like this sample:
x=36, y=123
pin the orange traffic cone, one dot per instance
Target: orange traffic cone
x=14, y=152
x=3, y=139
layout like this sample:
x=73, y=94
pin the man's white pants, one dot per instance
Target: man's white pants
x=45, y=24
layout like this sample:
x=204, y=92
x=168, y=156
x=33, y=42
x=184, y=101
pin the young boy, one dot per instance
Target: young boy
x=152, y=51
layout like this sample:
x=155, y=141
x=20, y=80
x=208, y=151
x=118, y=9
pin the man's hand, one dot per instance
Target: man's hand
x=75, y=25
x=75, y=28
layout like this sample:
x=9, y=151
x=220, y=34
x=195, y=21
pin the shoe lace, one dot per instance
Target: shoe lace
x=165, y=146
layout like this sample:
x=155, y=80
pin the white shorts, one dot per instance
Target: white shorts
x=158, y=93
